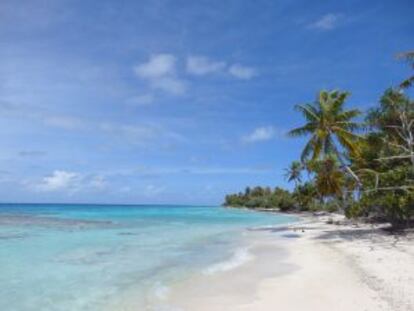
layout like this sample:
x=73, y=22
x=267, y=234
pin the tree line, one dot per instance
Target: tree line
x=360, y=163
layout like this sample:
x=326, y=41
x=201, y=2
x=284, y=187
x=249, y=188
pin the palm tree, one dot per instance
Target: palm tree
x=294, y=172
x=409, y=57
x=329, y=125
x=329, y=180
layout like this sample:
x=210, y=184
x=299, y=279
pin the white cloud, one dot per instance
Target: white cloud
x=326, y=22
x=260, y=134
x=59, y=180
x=200, y=65
x=70, y=182
x=159, y=65
x=242, y=72
x=160, y=72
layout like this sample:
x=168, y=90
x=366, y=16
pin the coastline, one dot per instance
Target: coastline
x=309, y=265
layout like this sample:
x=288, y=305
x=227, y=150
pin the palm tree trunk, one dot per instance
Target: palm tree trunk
x=347, y=168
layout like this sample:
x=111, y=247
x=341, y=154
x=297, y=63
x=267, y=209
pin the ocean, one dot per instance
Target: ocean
x=63, y=257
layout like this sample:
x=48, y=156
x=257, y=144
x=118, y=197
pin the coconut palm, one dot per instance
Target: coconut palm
x=329, y=180
x=330, y=128
x=294, y=172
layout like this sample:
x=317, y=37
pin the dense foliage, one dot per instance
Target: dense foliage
x=363, y=166
x=304, y=198
x=386, y=164
x=262, y=197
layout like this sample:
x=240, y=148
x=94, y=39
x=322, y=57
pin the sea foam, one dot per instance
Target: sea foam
x=240, y=257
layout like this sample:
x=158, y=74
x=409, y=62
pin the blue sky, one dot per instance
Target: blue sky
x=177, y=101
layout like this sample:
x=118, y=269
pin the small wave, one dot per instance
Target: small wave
x=161, y=291
x=240, y=257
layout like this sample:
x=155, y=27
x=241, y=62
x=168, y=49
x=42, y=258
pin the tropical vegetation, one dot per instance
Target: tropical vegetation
x=359, y=163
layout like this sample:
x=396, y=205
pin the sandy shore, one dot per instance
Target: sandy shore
x=308, y=266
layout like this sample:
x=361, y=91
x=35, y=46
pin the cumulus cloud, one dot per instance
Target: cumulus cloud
x=58, y=180
x=159, y=65
x=201, y=65
x=242, y=72
x=260, y=134
x=70, y=182
x=326, y=22
x=160, y=72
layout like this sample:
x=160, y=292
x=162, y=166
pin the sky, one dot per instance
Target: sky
x=177, y=101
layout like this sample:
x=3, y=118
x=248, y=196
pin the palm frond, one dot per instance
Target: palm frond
x=350, y=126
x=307, y=151
x=308, y=111
x=302, y=131
x=323, y=96
x=349, y=143
x=324, y=102
x=317, y=148
x=408, y=56
x=348, y=115
x=338, y=100
x=407, y=83
x=348, y=133
x=328, y=147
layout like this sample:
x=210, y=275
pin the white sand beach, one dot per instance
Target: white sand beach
x=308, y=266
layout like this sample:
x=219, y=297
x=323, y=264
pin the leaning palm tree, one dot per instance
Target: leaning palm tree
x=330, y=128
x=294, y=172
x=408, y=57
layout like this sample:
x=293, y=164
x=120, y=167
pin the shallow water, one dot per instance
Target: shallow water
x=84, y=257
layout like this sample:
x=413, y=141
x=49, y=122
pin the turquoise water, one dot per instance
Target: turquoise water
x=84, y=257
